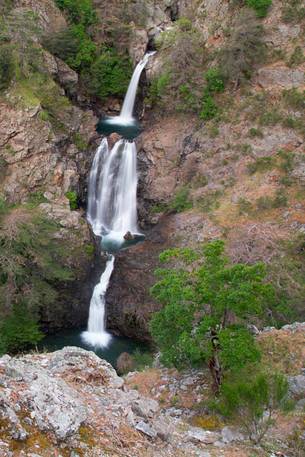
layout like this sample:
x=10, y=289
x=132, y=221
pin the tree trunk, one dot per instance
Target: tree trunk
x=214, y=364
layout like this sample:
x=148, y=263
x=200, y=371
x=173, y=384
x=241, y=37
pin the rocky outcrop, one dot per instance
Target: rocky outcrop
x=72, y=402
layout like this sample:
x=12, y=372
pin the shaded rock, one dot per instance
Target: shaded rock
x=196, y=434
x=229, y=435
x=296, y=386
x=145, y=407
x=282, y=77
x=124, y=363
x=146, y=429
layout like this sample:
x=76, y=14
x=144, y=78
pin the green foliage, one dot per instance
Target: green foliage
x=297, y=57
x=80, y=141
x=158, y=89
x=73, y=45
x=294, y=99
x=253, y=132
x=179, y=85
x=261, y=164
x=215, y=81
x=35, y=198
x=109, y=74
x=181, y=201
x=79, y=11
x=193, y=326
x=278, y=201
x=272, y=117
x=32, y=262
x=19, y=330
x=73, y=199
x=7, y=67
x=261, y=7
x=244, y=206
x=142, y=360
x=214, y=84
x=209, y=108
x=252, y=399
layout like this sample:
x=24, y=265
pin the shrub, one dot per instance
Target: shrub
x=109, y=74
x=181, y=201
x=209, y=109
x=180, y=83
x=294, y=99
x=261, y=7
x=19, y=330
x=6, y=66
x=252, y=401
x=73, y=200
x=142, y=360
x=158, y=89
x=253, y=132
x=297, y=57
x=245, y=49
x=260, y=165
x=79, y=11
x=72, y=45
x=198, y=296
x=270, y=118
x=244, y=206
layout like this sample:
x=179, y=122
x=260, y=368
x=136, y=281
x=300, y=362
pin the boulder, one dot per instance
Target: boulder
x=296, y=386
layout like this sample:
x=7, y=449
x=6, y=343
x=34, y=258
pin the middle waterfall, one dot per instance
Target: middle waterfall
x=112, y=208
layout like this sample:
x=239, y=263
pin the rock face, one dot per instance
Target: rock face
x=73, y=402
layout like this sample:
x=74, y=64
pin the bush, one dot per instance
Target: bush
x=6, y=66
x=209, y=108
x=109, y=74
x=252, y=401
x=142, y=360
x=260, y=6
x=180, y=82
x=72, y=45
x=260, y=165
x=73, y=200
x=79, y=11
x=294, y=99
x=181, y=201
x=297, y=57
x=245, y=49
x=19, y=330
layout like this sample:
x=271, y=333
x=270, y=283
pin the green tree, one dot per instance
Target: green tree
x=19, y=330
x=207, y=303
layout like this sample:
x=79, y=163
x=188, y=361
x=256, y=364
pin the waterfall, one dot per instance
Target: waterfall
x=112, y=207
x=127, y=109
x=96, y=334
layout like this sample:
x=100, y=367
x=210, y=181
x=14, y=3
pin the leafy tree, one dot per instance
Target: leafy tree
x=19, y=330
x=109, y=74
x=251, y=399
x=79, y=11
x=6, y=66
x=261, y=7
x=207, y=303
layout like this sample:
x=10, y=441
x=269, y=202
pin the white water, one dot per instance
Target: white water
x=112, y=205
x=112, y=202
x=96, y=334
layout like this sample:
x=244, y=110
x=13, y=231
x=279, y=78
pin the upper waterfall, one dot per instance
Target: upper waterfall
x=125, y=124
x=129, y=101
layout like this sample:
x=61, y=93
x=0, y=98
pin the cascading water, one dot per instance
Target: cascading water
x=112, y=206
